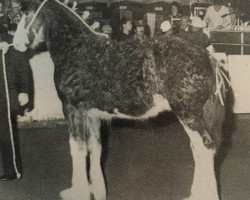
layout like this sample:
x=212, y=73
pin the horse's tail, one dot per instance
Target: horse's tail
x=78, y=124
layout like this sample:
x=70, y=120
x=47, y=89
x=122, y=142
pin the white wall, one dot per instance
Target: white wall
x=239, y=72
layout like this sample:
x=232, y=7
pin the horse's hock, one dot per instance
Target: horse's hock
x=47, y=105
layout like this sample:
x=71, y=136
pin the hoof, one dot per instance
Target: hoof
x=71, y=194
x=208, y=142
x=191, y=198
x=200, y=198
x=98, y=194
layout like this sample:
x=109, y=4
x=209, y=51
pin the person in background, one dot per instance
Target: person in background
x=216, y=16
x=18, y=82
x=85, y=15
x=16, y=12
x=95, y=25
x=74, y=6
x=197, y=36
x=232, y=12
x=175, y=17
x=175, y=11
x=139, y=31
x=185, y=25
x=166, y=28
x=126, y=30
x=107, y=29
x=4, y=20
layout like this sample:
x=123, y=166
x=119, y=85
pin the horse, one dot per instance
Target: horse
x=98, y=79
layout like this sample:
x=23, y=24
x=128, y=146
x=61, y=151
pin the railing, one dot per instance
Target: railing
x=228, y=41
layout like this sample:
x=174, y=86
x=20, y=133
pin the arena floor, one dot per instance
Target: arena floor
x=149, y=161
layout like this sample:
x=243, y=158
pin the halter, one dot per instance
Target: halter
x=72, y=11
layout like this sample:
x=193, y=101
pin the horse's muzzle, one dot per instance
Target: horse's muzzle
x=20, y=47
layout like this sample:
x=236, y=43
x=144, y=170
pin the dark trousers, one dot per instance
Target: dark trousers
x=11, y=157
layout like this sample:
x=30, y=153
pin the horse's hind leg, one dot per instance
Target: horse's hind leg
x=97, y=183
x=78, y=150
x=204, y=186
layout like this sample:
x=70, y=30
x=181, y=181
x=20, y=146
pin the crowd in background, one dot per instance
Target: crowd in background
x=218, y=17
x=174, y=24
x=10, y=17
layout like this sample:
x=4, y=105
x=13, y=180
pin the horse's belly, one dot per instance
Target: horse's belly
x=161, y=104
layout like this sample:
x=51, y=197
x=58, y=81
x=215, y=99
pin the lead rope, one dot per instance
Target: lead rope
x=8, y=110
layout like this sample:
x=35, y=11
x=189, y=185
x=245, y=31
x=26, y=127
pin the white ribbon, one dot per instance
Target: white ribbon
x=220, y=82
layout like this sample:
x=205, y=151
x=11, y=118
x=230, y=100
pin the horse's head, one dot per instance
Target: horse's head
x=49, y=22
x=31, y=29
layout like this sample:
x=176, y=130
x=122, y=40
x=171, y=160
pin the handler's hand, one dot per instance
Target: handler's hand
x=23, y=99
x=4, y=46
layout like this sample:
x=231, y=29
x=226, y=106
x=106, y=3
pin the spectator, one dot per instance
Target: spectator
x=185, y=25
x=107, y=29
x=175, y=11
x=85, y=15
x=166, y=28
x=175, y=16
x=232, y=15
x=139, y=31
x=126, y=28
x=95, y=25
x=16, y=12
x=197, y=36
x=74, y=6
x=4, y=20
x=216, y=16
x=18, y=81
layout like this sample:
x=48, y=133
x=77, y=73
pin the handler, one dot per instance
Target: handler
x=13, y=95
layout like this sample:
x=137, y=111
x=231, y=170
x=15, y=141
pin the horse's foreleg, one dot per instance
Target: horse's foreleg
x=204, y=185
x=80, y=185
x=97, y=183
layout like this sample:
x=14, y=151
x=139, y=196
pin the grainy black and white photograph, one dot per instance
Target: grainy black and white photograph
x=125, y=100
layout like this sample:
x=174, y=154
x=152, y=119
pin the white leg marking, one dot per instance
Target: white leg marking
x=80, y=185
x=204, y=185
x=98, y=188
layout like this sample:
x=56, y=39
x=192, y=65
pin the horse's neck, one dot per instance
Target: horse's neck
x=66, y=35
x=63, y=48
